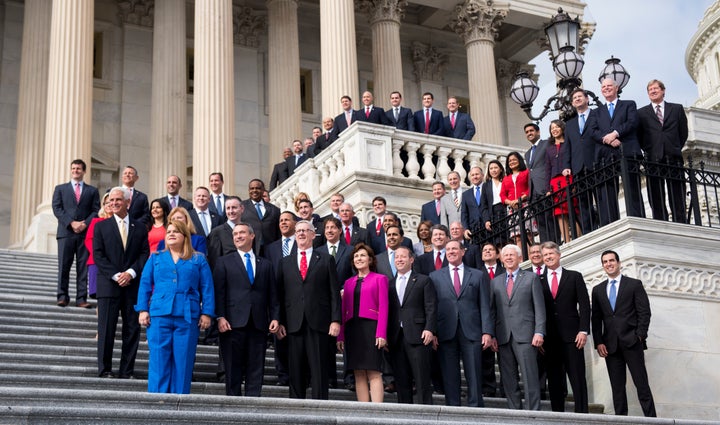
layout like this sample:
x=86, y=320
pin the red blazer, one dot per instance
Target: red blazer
x=512, y=191
x=373, y=302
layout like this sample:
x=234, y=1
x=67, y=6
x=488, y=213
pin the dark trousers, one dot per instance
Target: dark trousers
x=675, y=192
x=411, y=362
x=281, y=359
x=563, y=358
x=108, y=309
x=634, y=359
x=450, y=352
x=69, y=249
x=488, y=372
x=243, y=353
x=308, y=350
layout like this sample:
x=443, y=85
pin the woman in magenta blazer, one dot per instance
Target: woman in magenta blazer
x=364, y=324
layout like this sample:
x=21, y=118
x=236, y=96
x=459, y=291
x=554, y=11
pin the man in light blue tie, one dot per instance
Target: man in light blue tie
x=473, y=214
x=620, y=322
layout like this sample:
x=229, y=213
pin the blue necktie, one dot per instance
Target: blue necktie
x=392, y=263
x=532, y=155
x=582, y=123
x=611, y=110
x=249, y=268
x=218, y=205
x=477, y=195
x=259, y=211
x=286, y=247
x=613, y=294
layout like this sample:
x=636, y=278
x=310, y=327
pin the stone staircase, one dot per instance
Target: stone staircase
x=48, y=374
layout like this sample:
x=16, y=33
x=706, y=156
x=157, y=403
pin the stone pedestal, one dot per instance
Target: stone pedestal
x=213, y=99
x=338, y=54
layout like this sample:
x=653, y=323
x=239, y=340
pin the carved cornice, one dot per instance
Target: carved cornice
x=382, y=10
x=428, y=62
x=478, y=20
x=248, y=25
x=137, y=12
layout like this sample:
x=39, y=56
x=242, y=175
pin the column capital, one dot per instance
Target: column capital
x=248, y=25
x=382, y=10
x=478, y=20
x=137, y=12
x=428, y=62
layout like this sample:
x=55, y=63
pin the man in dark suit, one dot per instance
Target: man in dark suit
x=139, y=206
x=412, y=323
x=203, y=219
x=173, y=185
x=347, y=116
x=386, y=259
x=370, y=112
x=247, y=308
x=336, y=248
x=306, y=211
x=567, y=309
x=615, y=124
x=297, y=157
x=399, y=116
x=352, y=233
x=375, y=226
x=535, y=160
x=433, y=210
x=326, y=139
x=429, y=120
x=264, y=217
x=220, y=240
x=435, y=260
x=120, y=249
x=74, y=205
x=581, y=160
x=217, y=197
x=310, y=311
x=473, y=214
x=380, y=244
x=662, y=133
x=465, y=325
x=458, y=124
x=280, y=170
x=519, y=313
x=620, y=322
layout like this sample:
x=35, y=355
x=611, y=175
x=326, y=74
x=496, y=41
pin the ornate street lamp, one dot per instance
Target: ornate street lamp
x=615, y=72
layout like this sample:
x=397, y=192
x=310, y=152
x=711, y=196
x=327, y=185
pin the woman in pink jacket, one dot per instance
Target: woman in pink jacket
x=364, y=330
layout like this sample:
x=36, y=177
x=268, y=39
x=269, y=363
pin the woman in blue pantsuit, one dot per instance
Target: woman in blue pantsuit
x=175, y=301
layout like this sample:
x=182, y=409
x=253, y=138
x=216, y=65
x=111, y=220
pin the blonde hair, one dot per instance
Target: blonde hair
x=300, y=196
x=187, y=249
x=102, y=213
x=188, y=222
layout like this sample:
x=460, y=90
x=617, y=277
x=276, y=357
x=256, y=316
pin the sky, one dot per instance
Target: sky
x=649, y=36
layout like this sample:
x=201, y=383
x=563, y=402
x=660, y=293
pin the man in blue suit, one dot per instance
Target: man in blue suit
x=74, y=205
x=247, y=308
x=347, y=116
x=400, y=116
x=615, y=126
x=464, y=325
x=458, y=124
x=370, y=112
x=433, y=210
x=429, y=120
x=472, y=213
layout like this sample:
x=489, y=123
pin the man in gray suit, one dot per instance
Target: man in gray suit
x=535, y=160
x=518, y=308
x=451, y=203
x=465, y=325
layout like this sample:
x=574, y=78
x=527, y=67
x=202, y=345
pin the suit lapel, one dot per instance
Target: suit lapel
x=465, y=281
x=410, y=285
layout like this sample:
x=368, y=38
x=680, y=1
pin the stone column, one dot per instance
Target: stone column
x=385, y=17
x=338, y=54
x=477, y=22
x=169, y=96
x=213, y=99
x=32, y=109
x=285, y=113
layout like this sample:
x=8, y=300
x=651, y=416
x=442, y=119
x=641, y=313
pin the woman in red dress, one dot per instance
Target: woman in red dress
x=515, y=191
x=558, y=177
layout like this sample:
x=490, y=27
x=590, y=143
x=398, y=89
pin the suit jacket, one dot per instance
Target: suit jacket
x=383, y=264
x=357, y=235
x=569, y=312
x=436, y=122
x=111, y=258
x=522, y=315
x=377, y=116
x=140, y=208
x=405, y=119
x=425, y=264
x=290, y=162
x=379, y=243
x=472, y=214
x=219, y=243
x=273, y=252
x=471, y=308
x=417, y=312
x=343, y=265
x=279, y=174
x=449, y=213
x=429, y=212
x=67, y=210
x=266, y=230
x=629, y=323
x=464, y=127
x=214, y=221
x=373, y=302
x=325, y=140
x=341, y=121
x=666, y=140
x=624, y=121
x=582, y=147
x=315, y=300
x=181, y=202
x=237, y=299
x=213, y=208
x=538, y=185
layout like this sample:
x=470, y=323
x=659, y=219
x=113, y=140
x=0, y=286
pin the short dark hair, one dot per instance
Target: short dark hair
x=373, y=261
x=305, y=201
x=402, y=233
x=346, y=97
x=441, y=227
x=79, y=162
x=427, y=93
x=533, y=125
x=396, y=92
x=379, y=198
x=521, y=162
x=410, y=252
x=609, y=251
x=580, y=90
x=332, y=220
x=233, y=198
x=257, y=180
x=497, y=251
x=219, y=174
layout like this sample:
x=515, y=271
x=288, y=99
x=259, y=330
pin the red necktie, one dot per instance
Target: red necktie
x=538, y=270
x=379, y=226
x=456, y=282
x=367, y=112
x=427, y=121
x=327, y=136
x=492, y=272
x=510, y=284
x=554, y=285
x=438, y=262
x=347, y=235
x=303, y=264
x=452, y=120
x=77, y=193
x=437, y=207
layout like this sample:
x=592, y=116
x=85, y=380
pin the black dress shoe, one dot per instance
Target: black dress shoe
x=107, y=375
x=62, y=303
x=129, y=376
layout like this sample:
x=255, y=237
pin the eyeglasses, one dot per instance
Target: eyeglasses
x=304, y=231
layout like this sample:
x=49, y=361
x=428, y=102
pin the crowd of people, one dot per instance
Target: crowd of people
x=404, y=315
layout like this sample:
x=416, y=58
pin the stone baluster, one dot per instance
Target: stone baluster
x=474, y=159
x=397, y=161
x=413, y=166
x=339, y=157
x=443, y=169
x=458, y=155
x=428, y=167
